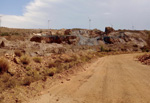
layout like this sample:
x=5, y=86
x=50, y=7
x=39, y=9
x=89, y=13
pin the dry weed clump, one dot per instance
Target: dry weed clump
x=7, y=82
x=18, y=53
x=52, y=64
x=5, y=77
x=28, y=68
x=25, y=60
x=51, y=71
x=65, y=58
x=4, y=65
x=27, y=81
x=11, y=83
x=32, y=75
x=37, y=59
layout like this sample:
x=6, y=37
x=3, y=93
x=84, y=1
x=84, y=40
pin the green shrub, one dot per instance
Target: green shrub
x=37, y=59
x=4, y=66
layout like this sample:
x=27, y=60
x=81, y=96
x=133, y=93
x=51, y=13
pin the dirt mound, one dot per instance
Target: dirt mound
x=145, y=59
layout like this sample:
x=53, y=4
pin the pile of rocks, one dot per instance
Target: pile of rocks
x=109, y=30
x=145, y=59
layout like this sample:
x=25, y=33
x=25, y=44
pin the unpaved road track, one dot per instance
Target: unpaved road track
x=112, y=79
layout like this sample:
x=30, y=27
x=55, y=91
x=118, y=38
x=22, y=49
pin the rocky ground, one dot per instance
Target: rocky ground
x=145, y=59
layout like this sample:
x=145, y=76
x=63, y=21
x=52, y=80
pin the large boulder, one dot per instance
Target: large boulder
x=95, y=33
x=2, y=44
x=67, y=32
x=108, y=30
x=55, y=39
x=36, y=39
x=109, y=40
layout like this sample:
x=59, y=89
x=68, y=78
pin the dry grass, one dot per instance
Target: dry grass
x=28, y=68
x=27, y=81
x=5, y=77
x=4, y=65
x=51, y=71
x=18, y=53
x=52, y=64
x=56, y=64
x=37, y=59
x=25, y=60
x=7, y=82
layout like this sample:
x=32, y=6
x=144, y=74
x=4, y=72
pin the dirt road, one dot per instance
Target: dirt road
x=112, y=79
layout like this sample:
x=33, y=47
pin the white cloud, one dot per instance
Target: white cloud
x=75, y=13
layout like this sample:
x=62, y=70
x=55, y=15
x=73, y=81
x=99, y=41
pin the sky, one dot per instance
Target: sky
x=35, y=14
